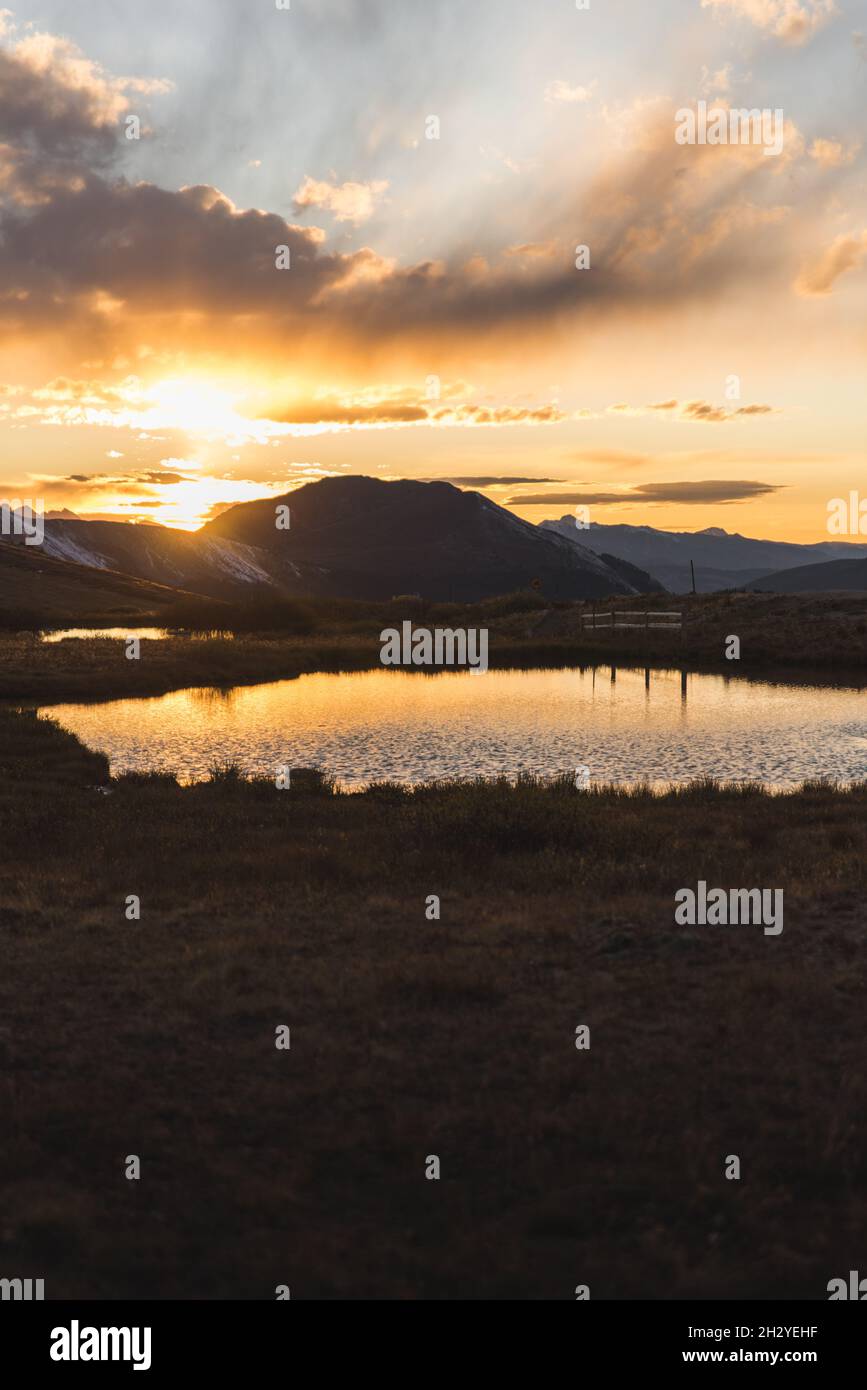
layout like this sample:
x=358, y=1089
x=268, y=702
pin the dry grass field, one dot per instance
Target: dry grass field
x=412, y=1037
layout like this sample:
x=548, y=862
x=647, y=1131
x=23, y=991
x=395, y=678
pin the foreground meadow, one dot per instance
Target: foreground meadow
x=412, y=1037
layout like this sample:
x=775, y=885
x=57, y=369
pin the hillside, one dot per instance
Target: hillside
x=834, y=576
x=39, y=588
x=188, y=560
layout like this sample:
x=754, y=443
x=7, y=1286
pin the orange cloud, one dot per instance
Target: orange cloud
x=348, y=202
x=691, y=410
x=844, y=253
x=325, y=410
x=561, y=91
x=793, y=21
x=831, y=154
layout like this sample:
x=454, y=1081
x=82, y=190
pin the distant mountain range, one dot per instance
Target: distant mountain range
x=349, y=537
x=365, y=538
x=722, y=560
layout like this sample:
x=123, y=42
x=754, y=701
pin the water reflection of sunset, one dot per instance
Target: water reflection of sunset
x=396, y=725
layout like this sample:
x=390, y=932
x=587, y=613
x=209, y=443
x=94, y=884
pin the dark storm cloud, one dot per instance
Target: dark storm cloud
x=77, y=243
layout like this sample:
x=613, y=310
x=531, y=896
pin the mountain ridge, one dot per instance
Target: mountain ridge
x=722, y=559
x=350, y=537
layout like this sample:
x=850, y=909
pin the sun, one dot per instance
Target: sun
x=197, y=407
x=216, y=411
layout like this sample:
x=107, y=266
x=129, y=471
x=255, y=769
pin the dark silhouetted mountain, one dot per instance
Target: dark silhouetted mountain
x=722, y=560
x=836, y=574
x=371, y=539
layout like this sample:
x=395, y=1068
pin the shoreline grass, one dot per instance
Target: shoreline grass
x=820, y=638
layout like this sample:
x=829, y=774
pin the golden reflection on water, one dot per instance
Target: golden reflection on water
x=624, y=724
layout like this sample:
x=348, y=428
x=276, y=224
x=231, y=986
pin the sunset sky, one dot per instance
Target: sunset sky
x=155, y=364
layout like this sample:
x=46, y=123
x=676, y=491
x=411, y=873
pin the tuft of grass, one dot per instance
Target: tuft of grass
x=155, y=780
x=226, y=774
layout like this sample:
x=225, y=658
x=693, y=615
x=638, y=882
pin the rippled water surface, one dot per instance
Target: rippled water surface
x=625, y=726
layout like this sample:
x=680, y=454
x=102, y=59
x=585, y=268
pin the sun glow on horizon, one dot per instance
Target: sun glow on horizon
x=188, y=505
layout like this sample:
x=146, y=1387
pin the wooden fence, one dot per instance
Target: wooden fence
x=619, y=618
